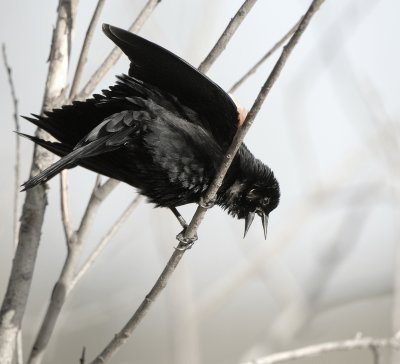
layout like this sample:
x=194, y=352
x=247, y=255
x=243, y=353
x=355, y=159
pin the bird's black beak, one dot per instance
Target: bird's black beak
x=264, y=219
x=249, y=219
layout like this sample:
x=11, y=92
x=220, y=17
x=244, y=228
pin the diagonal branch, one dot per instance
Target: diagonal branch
x=62, y=286
x=115, y=54
x=274, y=48
x=122, y=336
x=105, y=240
x=85, y=49
x=226, y=35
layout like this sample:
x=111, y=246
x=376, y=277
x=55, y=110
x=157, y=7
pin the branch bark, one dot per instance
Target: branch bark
x=75, y=239
x=16, y=209
x=17, y=147
x=85, y=49
x=63, y=284
x=13, y=307
x=122, y=336
x=226, y=35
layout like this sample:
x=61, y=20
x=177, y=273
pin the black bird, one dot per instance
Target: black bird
x=164, y=129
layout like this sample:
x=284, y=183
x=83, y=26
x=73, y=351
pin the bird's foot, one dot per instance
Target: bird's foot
x=185, y=243
x=206, y=204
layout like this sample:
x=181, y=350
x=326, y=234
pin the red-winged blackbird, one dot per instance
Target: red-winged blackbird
x=163, y=129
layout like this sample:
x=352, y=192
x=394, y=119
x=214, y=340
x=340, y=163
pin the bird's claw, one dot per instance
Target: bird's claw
x=185, y=243
x=206, y=204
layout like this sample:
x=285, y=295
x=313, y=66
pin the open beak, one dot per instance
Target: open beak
x=264, y=219
x=249, y=219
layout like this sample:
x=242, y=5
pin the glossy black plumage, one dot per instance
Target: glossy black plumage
x=163, y=129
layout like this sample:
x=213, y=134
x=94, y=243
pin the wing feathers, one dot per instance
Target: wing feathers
x=159, y=67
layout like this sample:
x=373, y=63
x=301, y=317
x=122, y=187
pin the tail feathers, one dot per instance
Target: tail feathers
x=50, y=172
x=57, y=148
x=68, y=160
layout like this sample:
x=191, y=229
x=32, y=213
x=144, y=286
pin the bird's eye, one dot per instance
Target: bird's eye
x=265, y=201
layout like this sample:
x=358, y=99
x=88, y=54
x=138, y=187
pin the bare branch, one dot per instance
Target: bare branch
x=122, y=336
x=62, y=286
x=104, y=241
x=238, y=139
x=17, y=148
x=15, y=299
x=274, y=48
x=65, y=210
x=358, y=343
x=114, y=55
x=100, y=192
x=226, y=35
x=85, y=49
x=18, y=352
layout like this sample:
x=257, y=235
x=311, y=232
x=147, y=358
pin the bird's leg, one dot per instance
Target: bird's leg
x=179, y=217
x=187, y=243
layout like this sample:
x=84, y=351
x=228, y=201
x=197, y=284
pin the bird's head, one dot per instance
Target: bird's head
x=253, y=191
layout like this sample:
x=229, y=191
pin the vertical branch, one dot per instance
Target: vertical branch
x=18, y=349
x=74, y=239
x=17, y=148
x=65, y=210
x=13, y=307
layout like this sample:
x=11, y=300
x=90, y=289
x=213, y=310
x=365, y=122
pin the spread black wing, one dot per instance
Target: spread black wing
x=159, y=67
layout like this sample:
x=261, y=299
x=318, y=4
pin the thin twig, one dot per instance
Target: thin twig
x=17, y=148
x=358, y=343
x=85, y=49
x=376, y=354
x=274, y=48
x=104, y=241
x=82, y=358
x=116, y=52
x=226, y=35
x=122, y=336
x=13, y=307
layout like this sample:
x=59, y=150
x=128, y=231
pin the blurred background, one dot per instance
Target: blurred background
x=330, y=267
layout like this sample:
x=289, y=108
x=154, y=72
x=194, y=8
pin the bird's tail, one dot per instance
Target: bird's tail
x=69, y=158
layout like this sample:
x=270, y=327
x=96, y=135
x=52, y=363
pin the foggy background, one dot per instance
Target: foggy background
x=330, y=132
